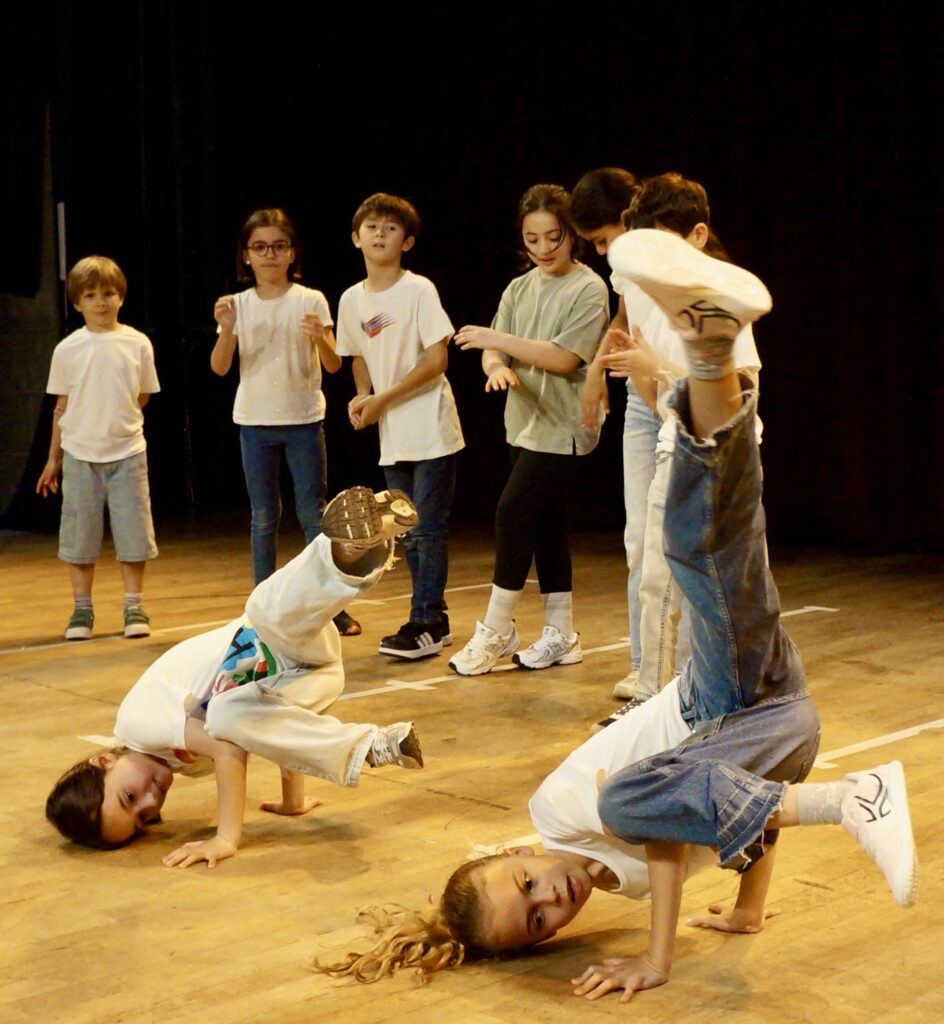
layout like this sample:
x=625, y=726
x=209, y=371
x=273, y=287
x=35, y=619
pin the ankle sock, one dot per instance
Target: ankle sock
x=559, y=611
x=81, y=603
x=820, y=803
x=133, y=601
x=709, y=359
x=501, y=609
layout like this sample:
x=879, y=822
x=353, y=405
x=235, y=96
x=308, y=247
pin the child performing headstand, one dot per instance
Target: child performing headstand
x=717, y=758
x=547, y=329
x=258, y=685
x=283, y=333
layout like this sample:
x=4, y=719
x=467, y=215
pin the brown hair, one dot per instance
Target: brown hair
x=386, y=205
x=677, y=203
x=555, y=200
x=74, y=805
x=271, y=217
x=95, y=270
x=439, y=940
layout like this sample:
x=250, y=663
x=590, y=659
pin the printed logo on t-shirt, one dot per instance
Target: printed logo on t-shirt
x=247, y=659
x=376, y=324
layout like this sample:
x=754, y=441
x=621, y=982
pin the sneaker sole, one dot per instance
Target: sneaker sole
x=357, y=517
x=80, y=633
x=136, y=632
x=678, y=276
x=903, y=891
x=567, y=659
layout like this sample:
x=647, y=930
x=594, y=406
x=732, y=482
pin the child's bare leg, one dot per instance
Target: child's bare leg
x=81, y=578
x=714, y=402
x=132, y=576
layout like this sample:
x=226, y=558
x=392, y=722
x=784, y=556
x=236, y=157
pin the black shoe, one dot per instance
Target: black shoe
x=630, y=705
x=417, y=640
x=347, y=624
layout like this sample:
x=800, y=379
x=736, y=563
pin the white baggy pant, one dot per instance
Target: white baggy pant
x=279, y=718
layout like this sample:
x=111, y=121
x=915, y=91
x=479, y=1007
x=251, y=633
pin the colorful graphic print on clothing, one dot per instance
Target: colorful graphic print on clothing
x=247, y=659
x=376, y=324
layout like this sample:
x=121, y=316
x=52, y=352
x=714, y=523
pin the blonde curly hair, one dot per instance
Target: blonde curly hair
x=439, y=940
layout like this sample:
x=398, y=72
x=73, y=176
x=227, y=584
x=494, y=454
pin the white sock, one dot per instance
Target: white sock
x=820, y=803
x=559, y=611
x=501, y=609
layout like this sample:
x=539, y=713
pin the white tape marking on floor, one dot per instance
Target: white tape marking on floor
x=806, y=609
x=827, y=759
x=75, y=644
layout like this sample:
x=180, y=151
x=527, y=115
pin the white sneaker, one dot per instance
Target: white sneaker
x=396, y=744
x=702, y=296
x=552, y=648
x=625, y=689
x=876, y=815
x=481, y=653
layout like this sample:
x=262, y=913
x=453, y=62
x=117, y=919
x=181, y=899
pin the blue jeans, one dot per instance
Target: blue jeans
x=640, y=434
x=262, y=449
x=430, y=484
x=744, y=689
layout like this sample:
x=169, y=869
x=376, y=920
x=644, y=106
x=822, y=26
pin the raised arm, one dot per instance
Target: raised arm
x=48, y=482
x=229, y=762
x=221, y=358
x=369, y=408
x=322, y=341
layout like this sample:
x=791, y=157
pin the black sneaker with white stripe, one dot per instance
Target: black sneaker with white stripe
x=417, y=640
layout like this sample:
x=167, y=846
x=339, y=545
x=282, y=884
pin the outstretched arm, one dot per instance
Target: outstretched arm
x=545, y=355
x=229, y=761
x=634, y=973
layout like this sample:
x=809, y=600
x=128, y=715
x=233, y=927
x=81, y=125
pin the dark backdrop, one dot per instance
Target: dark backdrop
x=815, y=130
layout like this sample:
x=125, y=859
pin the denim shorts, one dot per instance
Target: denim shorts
x=87, y=488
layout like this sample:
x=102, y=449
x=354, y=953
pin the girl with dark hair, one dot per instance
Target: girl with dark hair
x=283, y=331
x=547, y=329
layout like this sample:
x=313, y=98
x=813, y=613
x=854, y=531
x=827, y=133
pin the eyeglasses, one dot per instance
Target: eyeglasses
x=279, y=248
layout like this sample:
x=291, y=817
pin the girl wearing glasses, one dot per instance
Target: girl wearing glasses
x=283, y=332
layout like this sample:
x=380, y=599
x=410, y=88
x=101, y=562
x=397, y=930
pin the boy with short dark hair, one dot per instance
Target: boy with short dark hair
x=394, y=326
x=103, y=375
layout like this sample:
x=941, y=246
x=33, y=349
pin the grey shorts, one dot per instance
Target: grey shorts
x=87, y=487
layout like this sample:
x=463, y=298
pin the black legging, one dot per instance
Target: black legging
x=531, y=522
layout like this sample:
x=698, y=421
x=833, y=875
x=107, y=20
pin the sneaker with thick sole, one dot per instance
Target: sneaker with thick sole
x=630, y=705
x=482, y=652
x=396, y=744
x=625, y=689
x=80, y=625
x=415, y=640
x=361, y=519
x=137, y=624
x=552, y=648
x=703, y=297
x=875, y=814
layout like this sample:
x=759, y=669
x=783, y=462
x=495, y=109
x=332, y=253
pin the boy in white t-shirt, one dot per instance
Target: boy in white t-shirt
x=394, y=326
x=103, y=375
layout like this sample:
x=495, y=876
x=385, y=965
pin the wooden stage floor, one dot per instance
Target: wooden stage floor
x=100, y=938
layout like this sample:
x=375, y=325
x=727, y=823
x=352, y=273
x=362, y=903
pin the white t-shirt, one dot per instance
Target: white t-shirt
x=279, y=368
x=102, y=373
x=390, y=330
x=641, y=311
x=564, y=808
